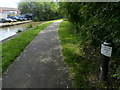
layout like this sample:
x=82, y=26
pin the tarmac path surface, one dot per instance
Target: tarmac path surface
x=40, y=65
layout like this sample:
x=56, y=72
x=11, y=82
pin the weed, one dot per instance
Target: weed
x=19, y=31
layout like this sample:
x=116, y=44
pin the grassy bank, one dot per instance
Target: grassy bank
x=83, y=62
x=12, y=48
x=73, y=55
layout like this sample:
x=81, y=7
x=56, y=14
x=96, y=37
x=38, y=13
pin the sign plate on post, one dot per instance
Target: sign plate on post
x=106, y=50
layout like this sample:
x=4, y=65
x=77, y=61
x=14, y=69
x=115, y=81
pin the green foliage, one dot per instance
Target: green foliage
x=117, y=73
x=19, y=31
x=95, y=23
x=30, y=25
x=36, y=19
x=71, y=54
x=40, y=10
x=83, y=63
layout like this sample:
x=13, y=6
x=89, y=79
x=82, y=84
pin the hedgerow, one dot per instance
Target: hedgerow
x=94, y=23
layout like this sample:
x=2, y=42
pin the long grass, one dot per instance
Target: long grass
x=83, y=67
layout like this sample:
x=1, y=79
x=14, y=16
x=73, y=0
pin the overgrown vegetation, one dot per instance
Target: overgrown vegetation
x=92, y=24
x=19, y=31
x=40, y=10
x=29, y=26
x=12, y=48
x=83, y=63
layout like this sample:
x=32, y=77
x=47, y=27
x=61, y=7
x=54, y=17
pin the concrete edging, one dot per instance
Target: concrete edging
x=6, y=39
x=14, y=23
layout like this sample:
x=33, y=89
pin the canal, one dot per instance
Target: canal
x=6, y=32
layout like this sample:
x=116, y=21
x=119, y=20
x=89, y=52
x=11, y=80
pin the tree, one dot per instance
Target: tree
x=40, y=10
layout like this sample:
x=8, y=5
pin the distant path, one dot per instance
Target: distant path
x=40, y=65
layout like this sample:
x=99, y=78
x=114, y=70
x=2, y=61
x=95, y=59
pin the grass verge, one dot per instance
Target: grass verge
x=83, y=60
x=12, y=48
x=83, y=68
x=72, y=55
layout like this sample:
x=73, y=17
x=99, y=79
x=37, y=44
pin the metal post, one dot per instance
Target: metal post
x=104, y=68
x=106, y=50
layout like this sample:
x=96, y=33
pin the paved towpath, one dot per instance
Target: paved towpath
x=40, y=65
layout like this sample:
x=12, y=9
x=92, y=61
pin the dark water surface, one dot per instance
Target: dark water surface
x=6, y=32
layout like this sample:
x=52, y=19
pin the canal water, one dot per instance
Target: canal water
x=6, y=32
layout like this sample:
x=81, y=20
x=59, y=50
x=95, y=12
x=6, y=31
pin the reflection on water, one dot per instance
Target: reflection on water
x=6, y=32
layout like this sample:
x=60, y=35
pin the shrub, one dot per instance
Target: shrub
x=29, y=26
x=36, y=19
x=19, y=31
x=95, y=23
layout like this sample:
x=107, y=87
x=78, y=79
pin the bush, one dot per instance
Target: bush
x=29, y=26
x=95, y=23
x=36, y=19
x=19, y=31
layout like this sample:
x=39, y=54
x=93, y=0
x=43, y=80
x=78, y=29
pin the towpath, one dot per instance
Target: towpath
x=40, y=65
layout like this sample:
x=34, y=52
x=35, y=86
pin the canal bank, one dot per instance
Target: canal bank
x=41, y=64
x=7, y=33
x=12, y=48
x=13, y=23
